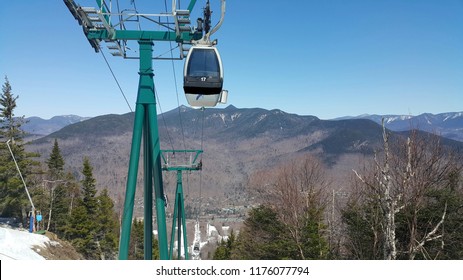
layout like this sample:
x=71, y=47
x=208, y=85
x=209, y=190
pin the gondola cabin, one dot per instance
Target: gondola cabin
x=203, y=76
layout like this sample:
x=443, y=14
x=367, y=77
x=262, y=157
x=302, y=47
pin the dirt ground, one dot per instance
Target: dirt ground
x=58, y=249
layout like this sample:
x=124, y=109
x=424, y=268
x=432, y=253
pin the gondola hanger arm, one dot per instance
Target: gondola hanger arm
x=206, y=39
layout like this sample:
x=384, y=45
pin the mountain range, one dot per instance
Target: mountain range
x=449, y=125
x=41, y=127
x=236, y=143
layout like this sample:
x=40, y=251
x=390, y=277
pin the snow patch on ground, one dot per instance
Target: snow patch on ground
x=18, y=244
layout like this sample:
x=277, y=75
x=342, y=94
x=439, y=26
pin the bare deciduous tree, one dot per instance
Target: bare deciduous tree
x=291, y=190
x=389, y=199
x=400, y=183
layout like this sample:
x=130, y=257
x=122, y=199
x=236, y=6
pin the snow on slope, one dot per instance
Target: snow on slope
x=17, y=244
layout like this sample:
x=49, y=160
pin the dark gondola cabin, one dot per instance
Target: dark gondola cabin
x=203, y=76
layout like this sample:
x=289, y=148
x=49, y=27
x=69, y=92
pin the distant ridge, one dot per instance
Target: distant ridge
x=233, y=125
x=39, y=126
x=449, y=125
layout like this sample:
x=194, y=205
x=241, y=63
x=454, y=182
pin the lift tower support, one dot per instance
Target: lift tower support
x=190, y=164
x=98, y=26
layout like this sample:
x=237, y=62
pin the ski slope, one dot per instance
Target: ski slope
x=18, y=244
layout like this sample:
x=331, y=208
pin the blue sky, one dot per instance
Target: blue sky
x=328, y=58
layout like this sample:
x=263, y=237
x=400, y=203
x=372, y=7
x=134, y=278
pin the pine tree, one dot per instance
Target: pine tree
x=82, y=226
x=55, y=163
x=13, y=198
x=136, y=244
x=10, y=126
x=66, y=199
x=224, y=250
x=136, y=251
x=55, y=189
x=264, y=237
x=59, y=209
x=107, y=226
x=89, y=189
x=315, y=245
x=362, y=230
x=90, y=203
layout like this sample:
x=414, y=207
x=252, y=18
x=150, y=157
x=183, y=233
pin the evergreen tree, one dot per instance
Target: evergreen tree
x=60, y=209
x=90, y=203
x=315, y=245
x=452, y=196
x=82, y=226
x=136, y=251
x=362, y=230
x=156, y=255
x=136, y=244
x=55, y=163
x=13, y=198
x=89, y=189
x=93, y=226
x=54, y=190
x=10, y=125
x=66, y=198
x=224, y=250
x=107, y=226
x=264, y=237
x=81, y=233
x=450, y=244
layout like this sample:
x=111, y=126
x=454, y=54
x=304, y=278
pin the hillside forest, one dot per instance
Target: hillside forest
x=403, y=202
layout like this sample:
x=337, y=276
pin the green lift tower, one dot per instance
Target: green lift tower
x=101, y=24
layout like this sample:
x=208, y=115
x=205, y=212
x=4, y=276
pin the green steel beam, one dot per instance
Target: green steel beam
x=104, y=10
x=172, y=232
x=148, y=192
x=103, y=34
x=182, y=216
x=182, y=151
x=198, y=152
x=158, y=186
x=192, y=5
x=131, y=183
x=181, y=168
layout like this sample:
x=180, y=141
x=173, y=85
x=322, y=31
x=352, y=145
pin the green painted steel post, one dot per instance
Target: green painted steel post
x=182, y=207
x=178, y=204
x=172, y=232
x=179, y=220
x=158, y=187
x=148, y=192
x=103, y=9
x=181, y=215
x=131, y=183
x=191, y=5
x=179, y=231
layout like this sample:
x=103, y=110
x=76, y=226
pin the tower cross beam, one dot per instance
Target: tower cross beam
x=102, y=34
